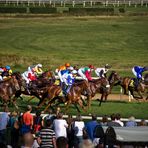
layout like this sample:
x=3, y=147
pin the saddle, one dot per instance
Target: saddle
x=134, y=83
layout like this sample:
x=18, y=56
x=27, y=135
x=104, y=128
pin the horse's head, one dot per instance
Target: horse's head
x=18, y=77
x=48, y=74
x=114, y=76
x=146, y=79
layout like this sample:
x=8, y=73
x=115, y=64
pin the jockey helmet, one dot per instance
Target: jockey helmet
x=74, y=72
x=70, y=68
x=8, y=67
x=67, y=64
x=39, y=65
x=107, y=66
x=91, y=67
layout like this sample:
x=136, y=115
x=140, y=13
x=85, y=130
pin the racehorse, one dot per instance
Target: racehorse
x=75, y=92
x=8, y=88
x=129, y=87
x=49, y=95
x=103, y=86
x=36, y=87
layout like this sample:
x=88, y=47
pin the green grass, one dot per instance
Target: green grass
x=126, y=109
x=119, y=41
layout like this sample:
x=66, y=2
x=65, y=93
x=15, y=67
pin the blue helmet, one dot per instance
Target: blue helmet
x=8, y=67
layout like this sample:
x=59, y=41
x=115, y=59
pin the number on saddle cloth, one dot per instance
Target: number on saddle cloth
x=134, y=82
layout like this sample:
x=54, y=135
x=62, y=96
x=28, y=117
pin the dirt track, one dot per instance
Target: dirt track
x=119, y=97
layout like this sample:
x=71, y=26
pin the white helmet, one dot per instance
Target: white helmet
x=39, y=65
x=74, y=72
x=70, y=68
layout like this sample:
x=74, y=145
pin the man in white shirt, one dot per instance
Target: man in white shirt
x=60, y=125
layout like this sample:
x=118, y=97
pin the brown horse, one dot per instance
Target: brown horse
x=75, y=92
x=49, y=94
x=103, y=86
x=129, y=86
x=8, y=88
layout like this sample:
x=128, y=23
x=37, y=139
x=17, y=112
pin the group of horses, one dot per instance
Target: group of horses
x=49, y=93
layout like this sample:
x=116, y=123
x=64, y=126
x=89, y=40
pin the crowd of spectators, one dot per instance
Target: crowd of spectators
x=52, y=130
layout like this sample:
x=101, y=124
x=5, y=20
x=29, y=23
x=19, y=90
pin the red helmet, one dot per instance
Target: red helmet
x=67, y=64
x=91, y=66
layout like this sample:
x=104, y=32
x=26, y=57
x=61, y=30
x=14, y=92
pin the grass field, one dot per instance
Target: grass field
x=120, y=41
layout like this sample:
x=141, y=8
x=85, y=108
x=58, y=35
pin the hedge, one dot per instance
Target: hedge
x=91, y=11
x=12, y=10
x=42, y=10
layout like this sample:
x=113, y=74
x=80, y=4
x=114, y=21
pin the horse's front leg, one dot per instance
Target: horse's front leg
x=41, y=103
x=101, y=100
x=80, y=102
x=49, y=104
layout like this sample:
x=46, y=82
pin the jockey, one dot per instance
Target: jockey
x=138, y=70
x=63, y=67
x=32, y=75
x=101, y=72
x=7, y=72
x=69, y=79
x=29, y=76
x=62, y=72
x=37, y=69
x=85, y=72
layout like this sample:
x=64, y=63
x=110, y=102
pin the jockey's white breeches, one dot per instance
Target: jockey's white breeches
x=25, y=78
x=82, y=75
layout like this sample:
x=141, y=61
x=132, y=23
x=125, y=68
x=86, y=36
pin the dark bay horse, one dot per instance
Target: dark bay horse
x=103, y=86
x=49, y=95
x=47, y=78
x=8, y=88
x=129, y=87
x=75, y=92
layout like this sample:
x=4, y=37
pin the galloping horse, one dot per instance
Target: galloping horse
x=128, y=85
x=8, y=88
x=103, y=86
x=75, y=92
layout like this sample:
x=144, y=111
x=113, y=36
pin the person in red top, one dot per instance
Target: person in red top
x=32, y=75
x=27, y=120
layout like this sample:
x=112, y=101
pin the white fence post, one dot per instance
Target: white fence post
x=141, y=3
x=129, y=3
x=83, y=3
x=91, y=3
x=17, y=2
x=118, y=4
x=106, y=3
x=61, y=3
x=73, y=4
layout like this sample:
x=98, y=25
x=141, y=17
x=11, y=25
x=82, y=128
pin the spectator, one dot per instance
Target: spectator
x=27, y=120
x=14, y=129
x=131, y=122
x=118, y=117
x=50, y=116
x=47, y=136
x=62, y=142
x=104, y=120
x=86, y=143
x=28, y=141
x=90, y=126
x=143, y=123
x=37, y=122
x=110, y=138
x=60, y=126
x=78, y=127
x=70, y=131
x=113, y=122
x=98, y=137
x=4, y=118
